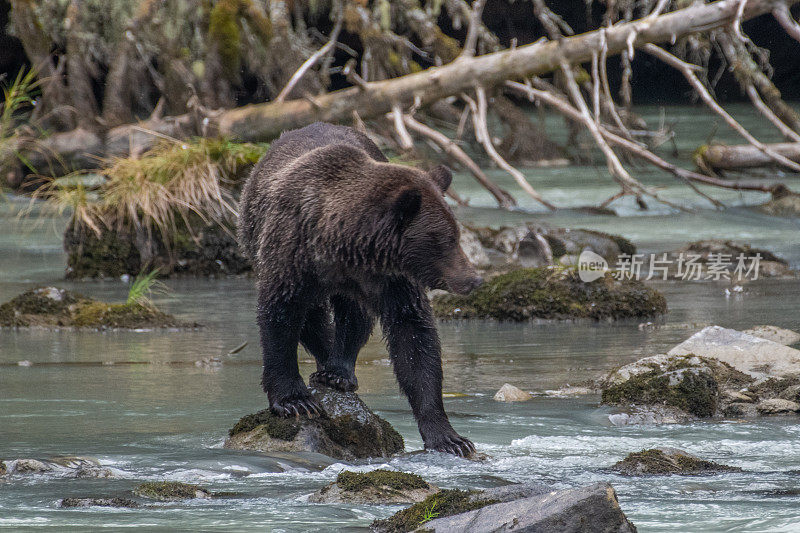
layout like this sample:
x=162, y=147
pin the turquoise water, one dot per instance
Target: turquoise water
x=155, y=414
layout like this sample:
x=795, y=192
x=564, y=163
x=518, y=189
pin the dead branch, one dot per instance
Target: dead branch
x=404, y=138
x=504, y=199
x=311, y=61
x=688, y=71
x=564, y=107
x=471, y=42
x=483, y=136
x=764, y=109
x=784, y=18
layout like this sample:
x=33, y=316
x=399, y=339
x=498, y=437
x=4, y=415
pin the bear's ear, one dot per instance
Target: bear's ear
x=441, y=176
x=406, y=205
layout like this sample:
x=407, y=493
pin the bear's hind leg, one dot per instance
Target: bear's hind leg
x=280, y=324
x=410, y=331
x=353, y=328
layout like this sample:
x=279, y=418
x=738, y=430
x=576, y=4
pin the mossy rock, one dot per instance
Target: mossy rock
x=170, y=491
x=693, y=390
x=444, y=503
x=376, y=487
x=552, y=293
x=668, y=461
x=50, y=307
x=3, y=468
x=349, y=431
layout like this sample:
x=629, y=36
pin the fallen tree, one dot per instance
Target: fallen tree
x=466, y=74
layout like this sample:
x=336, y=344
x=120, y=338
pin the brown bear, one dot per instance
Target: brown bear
x=338, y=237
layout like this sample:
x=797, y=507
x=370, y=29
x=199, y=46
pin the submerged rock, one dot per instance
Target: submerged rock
x=591, y=508
x=668, y=461
x=784, y=205
x=376, y=486
x=755, y=356
x=51, y=307
x=775, y=334
x=170, y=491
x=510, y=393
x=97, y=502
x=350, y=431
x=552, y=293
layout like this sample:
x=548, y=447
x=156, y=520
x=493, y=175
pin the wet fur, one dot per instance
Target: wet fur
x=339, y=237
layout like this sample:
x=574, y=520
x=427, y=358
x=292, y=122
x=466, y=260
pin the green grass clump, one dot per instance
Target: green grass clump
x=357, y=481
x=167, y=191
x=142, y=288
x=444, y=503
x=552, y=293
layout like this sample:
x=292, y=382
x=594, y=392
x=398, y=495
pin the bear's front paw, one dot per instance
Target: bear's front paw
x=334, y=380
x=452, y=443
x=297, y=407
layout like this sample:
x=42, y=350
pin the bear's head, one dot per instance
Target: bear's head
x=429, y=249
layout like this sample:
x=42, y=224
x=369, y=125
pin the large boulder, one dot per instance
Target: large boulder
x=668, y=461
x=756, y=356
x=552, y=293
x=592, y=508
x=715, y=373
x=350, y=431
x=375, y=487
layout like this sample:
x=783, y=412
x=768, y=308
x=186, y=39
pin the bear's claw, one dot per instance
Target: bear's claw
x=455, y=444
x=327, y=378
x=298, y=407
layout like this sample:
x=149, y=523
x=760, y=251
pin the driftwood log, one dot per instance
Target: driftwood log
x=737, y=157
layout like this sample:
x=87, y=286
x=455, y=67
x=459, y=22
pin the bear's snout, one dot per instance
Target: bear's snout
x=465, y=285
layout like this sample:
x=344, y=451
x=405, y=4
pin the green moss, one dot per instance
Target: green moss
x=223, y=30
x=357, y=481
x=696, y=393
x=276, y=426
x=348, y=432
x=168, y=490
x=655, y=462
x=52, y=307
x=552, y=293
x=444, y=503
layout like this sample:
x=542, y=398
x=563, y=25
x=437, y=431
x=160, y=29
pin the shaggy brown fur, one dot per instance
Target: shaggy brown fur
x=338, y=237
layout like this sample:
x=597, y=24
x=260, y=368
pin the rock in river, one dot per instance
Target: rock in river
x=592, y=508
x=552, y=293
x=350, y=431
x=377, y=486
x=54, y=308
x=668, y=461
x=510, y=393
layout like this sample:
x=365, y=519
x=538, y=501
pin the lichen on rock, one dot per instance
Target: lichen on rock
x=349, y=431
x=668, y=461
x=50, y=307
x=552, y=293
